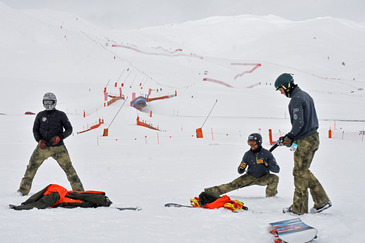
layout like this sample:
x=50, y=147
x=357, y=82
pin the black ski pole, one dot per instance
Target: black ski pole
x=276, y=144
x=273, y=147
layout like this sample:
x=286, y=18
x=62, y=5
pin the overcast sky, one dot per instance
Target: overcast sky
x=127, y=14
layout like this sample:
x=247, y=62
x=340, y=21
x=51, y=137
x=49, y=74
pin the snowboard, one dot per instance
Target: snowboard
x=129, y=208
x=11, y=206
x=177, y=205
x=292, y=230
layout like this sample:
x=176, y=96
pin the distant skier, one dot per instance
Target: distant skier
x=304, y=133
x=50, y=128
x=259, y=162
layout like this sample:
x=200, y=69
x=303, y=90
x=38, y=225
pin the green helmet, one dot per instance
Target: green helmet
x=284, y=81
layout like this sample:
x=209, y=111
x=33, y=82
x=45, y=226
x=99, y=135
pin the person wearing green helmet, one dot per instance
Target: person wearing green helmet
x=285, y=82
x=303, y=118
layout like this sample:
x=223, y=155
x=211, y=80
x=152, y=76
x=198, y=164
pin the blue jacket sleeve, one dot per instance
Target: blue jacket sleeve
x=273, y=166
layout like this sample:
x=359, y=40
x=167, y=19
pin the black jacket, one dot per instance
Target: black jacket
x=51, y=123
x=260, y=162
x=303, y=115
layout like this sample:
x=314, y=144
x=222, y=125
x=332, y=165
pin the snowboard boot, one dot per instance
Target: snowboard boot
x=320, y=209
x=289, y=210
x=21, y=192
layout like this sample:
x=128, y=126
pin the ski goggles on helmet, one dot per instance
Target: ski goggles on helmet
x=251, y=142
x=48, y=102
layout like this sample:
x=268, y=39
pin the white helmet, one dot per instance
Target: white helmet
x=49, y=101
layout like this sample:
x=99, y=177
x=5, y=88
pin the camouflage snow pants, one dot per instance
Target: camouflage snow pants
x=60, y=154
x=303, y=177
x=269, y=180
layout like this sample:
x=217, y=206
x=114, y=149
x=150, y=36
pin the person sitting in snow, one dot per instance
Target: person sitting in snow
x=50, y=128
x=259, y=162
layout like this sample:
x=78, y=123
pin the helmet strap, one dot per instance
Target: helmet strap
x=288, y=89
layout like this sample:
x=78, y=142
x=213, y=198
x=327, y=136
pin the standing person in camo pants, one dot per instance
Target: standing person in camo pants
x=258, y=162
x=304, y=133
x=50, y=128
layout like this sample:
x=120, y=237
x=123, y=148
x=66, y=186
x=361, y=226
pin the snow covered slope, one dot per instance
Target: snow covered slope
x=229, y=60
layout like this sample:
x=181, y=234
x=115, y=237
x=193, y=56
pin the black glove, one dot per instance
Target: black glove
x=42, y=144
x=286, y=140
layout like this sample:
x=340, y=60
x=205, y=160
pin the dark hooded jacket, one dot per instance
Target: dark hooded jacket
x=51, y=123
x=260, y=162
x=303, y=115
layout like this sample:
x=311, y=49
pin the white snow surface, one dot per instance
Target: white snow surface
x=48, y=51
